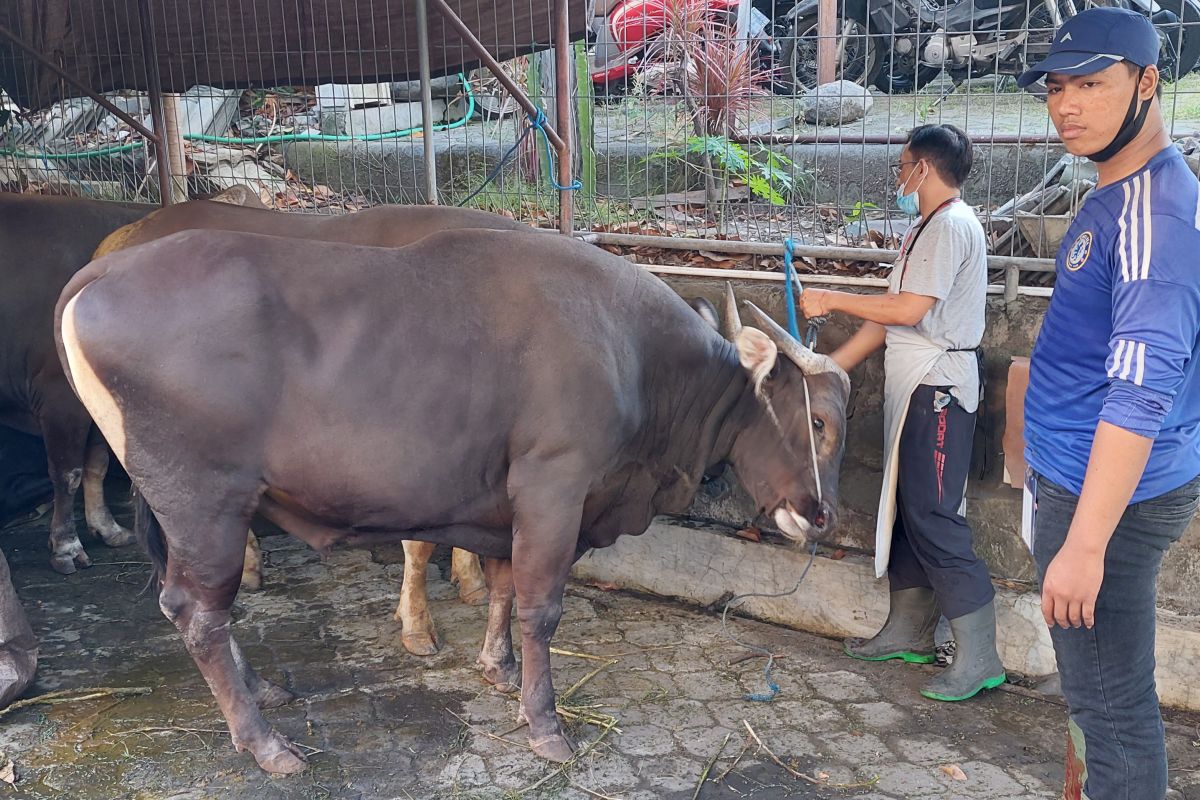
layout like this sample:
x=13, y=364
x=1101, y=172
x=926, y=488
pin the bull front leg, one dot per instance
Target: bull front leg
x=496, y=656
x=95, y=510
x=417, y=633
x=472, y=584
x=546, y=523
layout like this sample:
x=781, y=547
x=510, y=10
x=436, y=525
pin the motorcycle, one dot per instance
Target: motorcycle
x=629, y=37
x=901, y=45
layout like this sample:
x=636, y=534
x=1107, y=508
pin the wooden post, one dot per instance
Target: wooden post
x=171, y=134
x=827, y=49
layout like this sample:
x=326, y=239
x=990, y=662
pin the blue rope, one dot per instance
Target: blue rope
x=791, y=279
x=539, y=123
x=772, y=686
x=536, y=122
x=789, y=276
x=497, y=169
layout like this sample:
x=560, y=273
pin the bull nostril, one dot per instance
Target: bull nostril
x=819, y=519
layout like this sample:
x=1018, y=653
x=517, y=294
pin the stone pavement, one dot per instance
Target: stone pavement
x=383, y=724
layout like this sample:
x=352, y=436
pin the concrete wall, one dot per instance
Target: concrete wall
x=393, y=170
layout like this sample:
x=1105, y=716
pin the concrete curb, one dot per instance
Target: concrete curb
x=702, y=564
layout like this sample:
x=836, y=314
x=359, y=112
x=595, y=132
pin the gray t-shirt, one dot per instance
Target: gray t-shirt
x=949, y=263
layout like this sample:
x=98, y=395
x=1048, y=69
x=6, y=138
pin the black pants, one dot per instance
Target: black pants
x=931, y=541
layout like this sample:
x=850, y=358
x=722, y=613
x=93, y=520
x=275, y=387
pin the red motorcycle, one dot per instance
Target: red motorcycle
x=631, y=36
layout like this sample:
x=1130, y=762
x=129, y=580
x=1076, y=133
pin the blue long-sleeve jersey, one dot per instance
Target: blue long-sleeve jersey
x=1120, y=339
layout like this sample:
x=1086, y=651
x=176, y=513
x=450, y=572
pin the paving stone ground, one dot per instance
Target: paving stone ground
x=384, y=724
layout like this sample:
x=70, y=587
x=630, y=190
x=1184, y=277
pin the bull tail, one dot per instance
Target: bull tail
x=149, y=534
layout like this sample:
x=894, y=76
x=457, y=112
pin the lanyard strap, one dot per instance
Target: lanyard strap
x=906, y=249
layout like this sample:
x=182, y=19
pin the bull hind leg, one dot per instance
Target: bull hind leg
x=197, y=593
x=496, y=656
x=65, y=432
x=417, y=633
x=99, y=519
x=265, y=693
x=547, y=515
x=465, y=571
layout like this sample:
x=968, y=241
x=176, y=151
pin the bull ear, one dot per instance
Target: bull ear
x=707, y=312
x=757, y=353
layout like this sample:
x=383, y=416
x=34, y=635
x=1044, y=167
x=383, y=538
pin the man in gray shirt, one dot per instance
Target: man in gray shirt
x=931, y=324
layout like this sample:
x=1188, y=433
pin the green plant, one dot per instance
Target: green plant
x=857, y=212
x=768, y=174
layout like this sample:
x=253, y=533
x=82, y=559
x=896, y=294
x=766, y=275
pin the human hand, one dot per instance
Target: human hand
x=816, y=302
x=1070, y=587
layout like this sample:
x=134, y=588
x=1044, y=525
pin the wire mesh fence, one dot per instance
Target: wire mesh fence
x=704, y=119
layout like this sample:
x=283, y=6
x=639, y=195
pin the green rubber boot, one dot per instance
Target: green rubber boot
x=976, y=665
x=907, y=634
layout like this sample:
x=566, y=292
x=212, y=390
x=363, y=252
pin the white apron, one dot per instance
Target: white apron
x=907, y=359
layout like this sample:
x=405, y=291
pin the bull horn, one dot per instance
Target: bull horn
x=809, y=362
x=733, y=322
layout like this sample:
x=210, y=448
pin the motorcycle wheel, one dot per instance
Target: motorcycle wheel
x=798, y=55
x=1180, y=40
x=902, y=74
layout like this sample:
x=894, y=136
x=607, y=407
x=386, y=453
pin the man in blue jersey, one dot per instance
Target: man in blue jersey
x=1112, y=413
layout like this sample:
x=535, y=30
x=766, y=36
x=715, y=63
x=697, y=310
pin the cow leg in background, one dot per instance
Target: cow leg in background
x=18, y=645
x=99, y=519
x=204, y=566
x=252, y=565
x=464, y=570
x=417, y=633
x=65, y=426
x=265, y=693
x=546, y=522
x=496, y=657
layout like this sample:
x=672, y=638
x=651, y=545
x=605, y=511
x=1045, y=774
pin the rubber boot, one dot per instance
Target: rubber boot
x=976, y=665
x=907, y=634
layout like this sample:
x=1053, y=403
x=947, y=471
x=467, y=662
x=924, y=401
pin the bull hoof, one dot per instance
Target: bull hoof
x=477, y=596
x=66, y=564
x=504, y=678
x=553, y=748
x=420, y=644
x=116, y=536
x=271, y=695
x=279, y=756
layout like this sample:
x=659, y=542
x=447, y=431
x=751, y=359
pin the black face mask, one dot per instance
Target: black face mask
x=1135, y=118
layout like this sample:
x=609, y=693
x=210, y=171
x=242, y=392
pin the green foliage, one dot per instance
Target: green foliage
x=768, y=174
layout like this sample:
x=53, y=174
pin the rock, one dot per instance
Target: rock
x=835, y=103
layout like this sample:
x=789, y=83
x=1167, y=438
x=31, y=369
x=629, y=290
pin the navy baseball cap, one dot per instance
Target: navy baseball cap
x=1095, y=39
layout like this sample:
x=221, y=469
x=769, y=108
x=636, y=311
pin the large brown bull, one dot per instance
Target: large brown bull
x=527, y=410
x=381, y=226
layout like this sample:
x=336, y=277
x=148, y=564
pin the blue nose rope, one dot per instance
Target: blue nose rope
x=772, y=686
x=792, y=288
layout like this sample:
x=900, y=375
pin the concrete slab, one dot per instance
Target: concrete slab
x=841, y=597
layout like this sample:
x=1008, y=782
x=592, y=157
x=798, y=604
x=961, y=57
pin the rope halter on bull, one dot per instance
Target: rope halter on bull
x=810, y=342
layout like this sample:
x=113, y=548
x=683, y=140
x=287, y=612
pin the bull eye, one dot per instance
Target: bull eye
x=818, y=424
